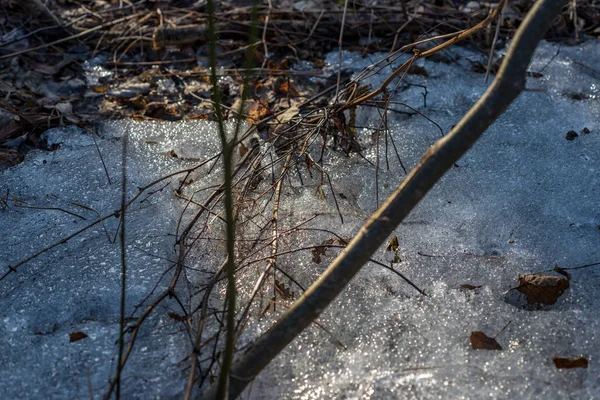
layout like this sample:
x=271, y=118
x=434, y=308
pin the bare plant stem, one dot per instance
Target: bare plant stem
x=340, y=42
x=227, y=149
x=123, y=263
x=272, y=260
x=440, y=157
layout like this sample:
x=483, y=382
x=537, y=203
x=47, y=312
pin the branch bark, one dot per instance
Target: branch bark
x=435, y=162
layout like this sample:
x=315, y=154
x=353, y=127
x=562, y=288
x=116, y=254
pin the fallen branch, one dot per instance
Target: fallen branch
x=508, y=84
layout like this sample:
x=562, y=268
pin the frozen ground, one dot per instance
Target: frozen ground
x=522, y=200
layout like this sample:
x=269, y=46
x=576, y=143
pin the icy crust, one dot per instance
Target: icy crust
x=76, y=286
x=522, y=200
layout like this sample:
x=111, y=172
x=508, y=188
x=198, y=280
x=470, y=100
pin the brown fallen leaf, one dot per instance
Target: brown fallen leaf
x=242, y=149
x=288, y=89
x=578, y=362
x=100, y=89
x=76, y=336
x=563, y=272
x=284, y=291
x=259, y=110
x=542, y=289
x=417, y=70
x=177, y=317
x=571, y=135
x=139, y=102
x=466, y=286
x=344, y=241
x=393, y=250
x=481, y=341
x=288, y=114
x=319, y=251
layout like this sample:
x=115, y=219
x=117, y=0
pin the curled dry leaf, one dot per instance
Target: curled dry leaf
x=290, y=113
x=76, y=336
x=542, y=289
x=319, y=251
x=259, y=110
x=393, y=249
x=578, y=362
x=288, y=89
x=284, y=291
x=481, y=341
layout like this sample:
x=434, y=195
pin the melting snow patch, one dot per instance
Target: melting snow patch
x=521, y=201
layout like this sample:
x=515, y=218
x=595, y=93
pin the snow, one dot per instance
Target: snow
x=521, y=201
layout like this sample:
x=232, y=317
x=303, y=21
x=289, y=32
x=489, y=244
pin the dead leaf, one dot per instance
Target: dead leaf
x=243, y=150
x=155, y=110
x=579, y=362
x=571, y=135
x=394, y=248
x=139, y=102
x=76, y=336
x=417, y=70
x=272, y=66
x=285, y=292
x=176, y=317
x=259, y=110
x=563, y=272
x=466, y=286
x=319, y=251
x=288, y=89
x=100, y=89
x=344, y=241
x=288, y=114
x=393, y=245
x=542, y=289
x=481, y=341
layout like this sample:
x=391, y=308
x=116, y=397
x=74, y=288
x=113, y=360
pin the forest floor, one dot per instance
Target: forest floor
x=70, y=63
